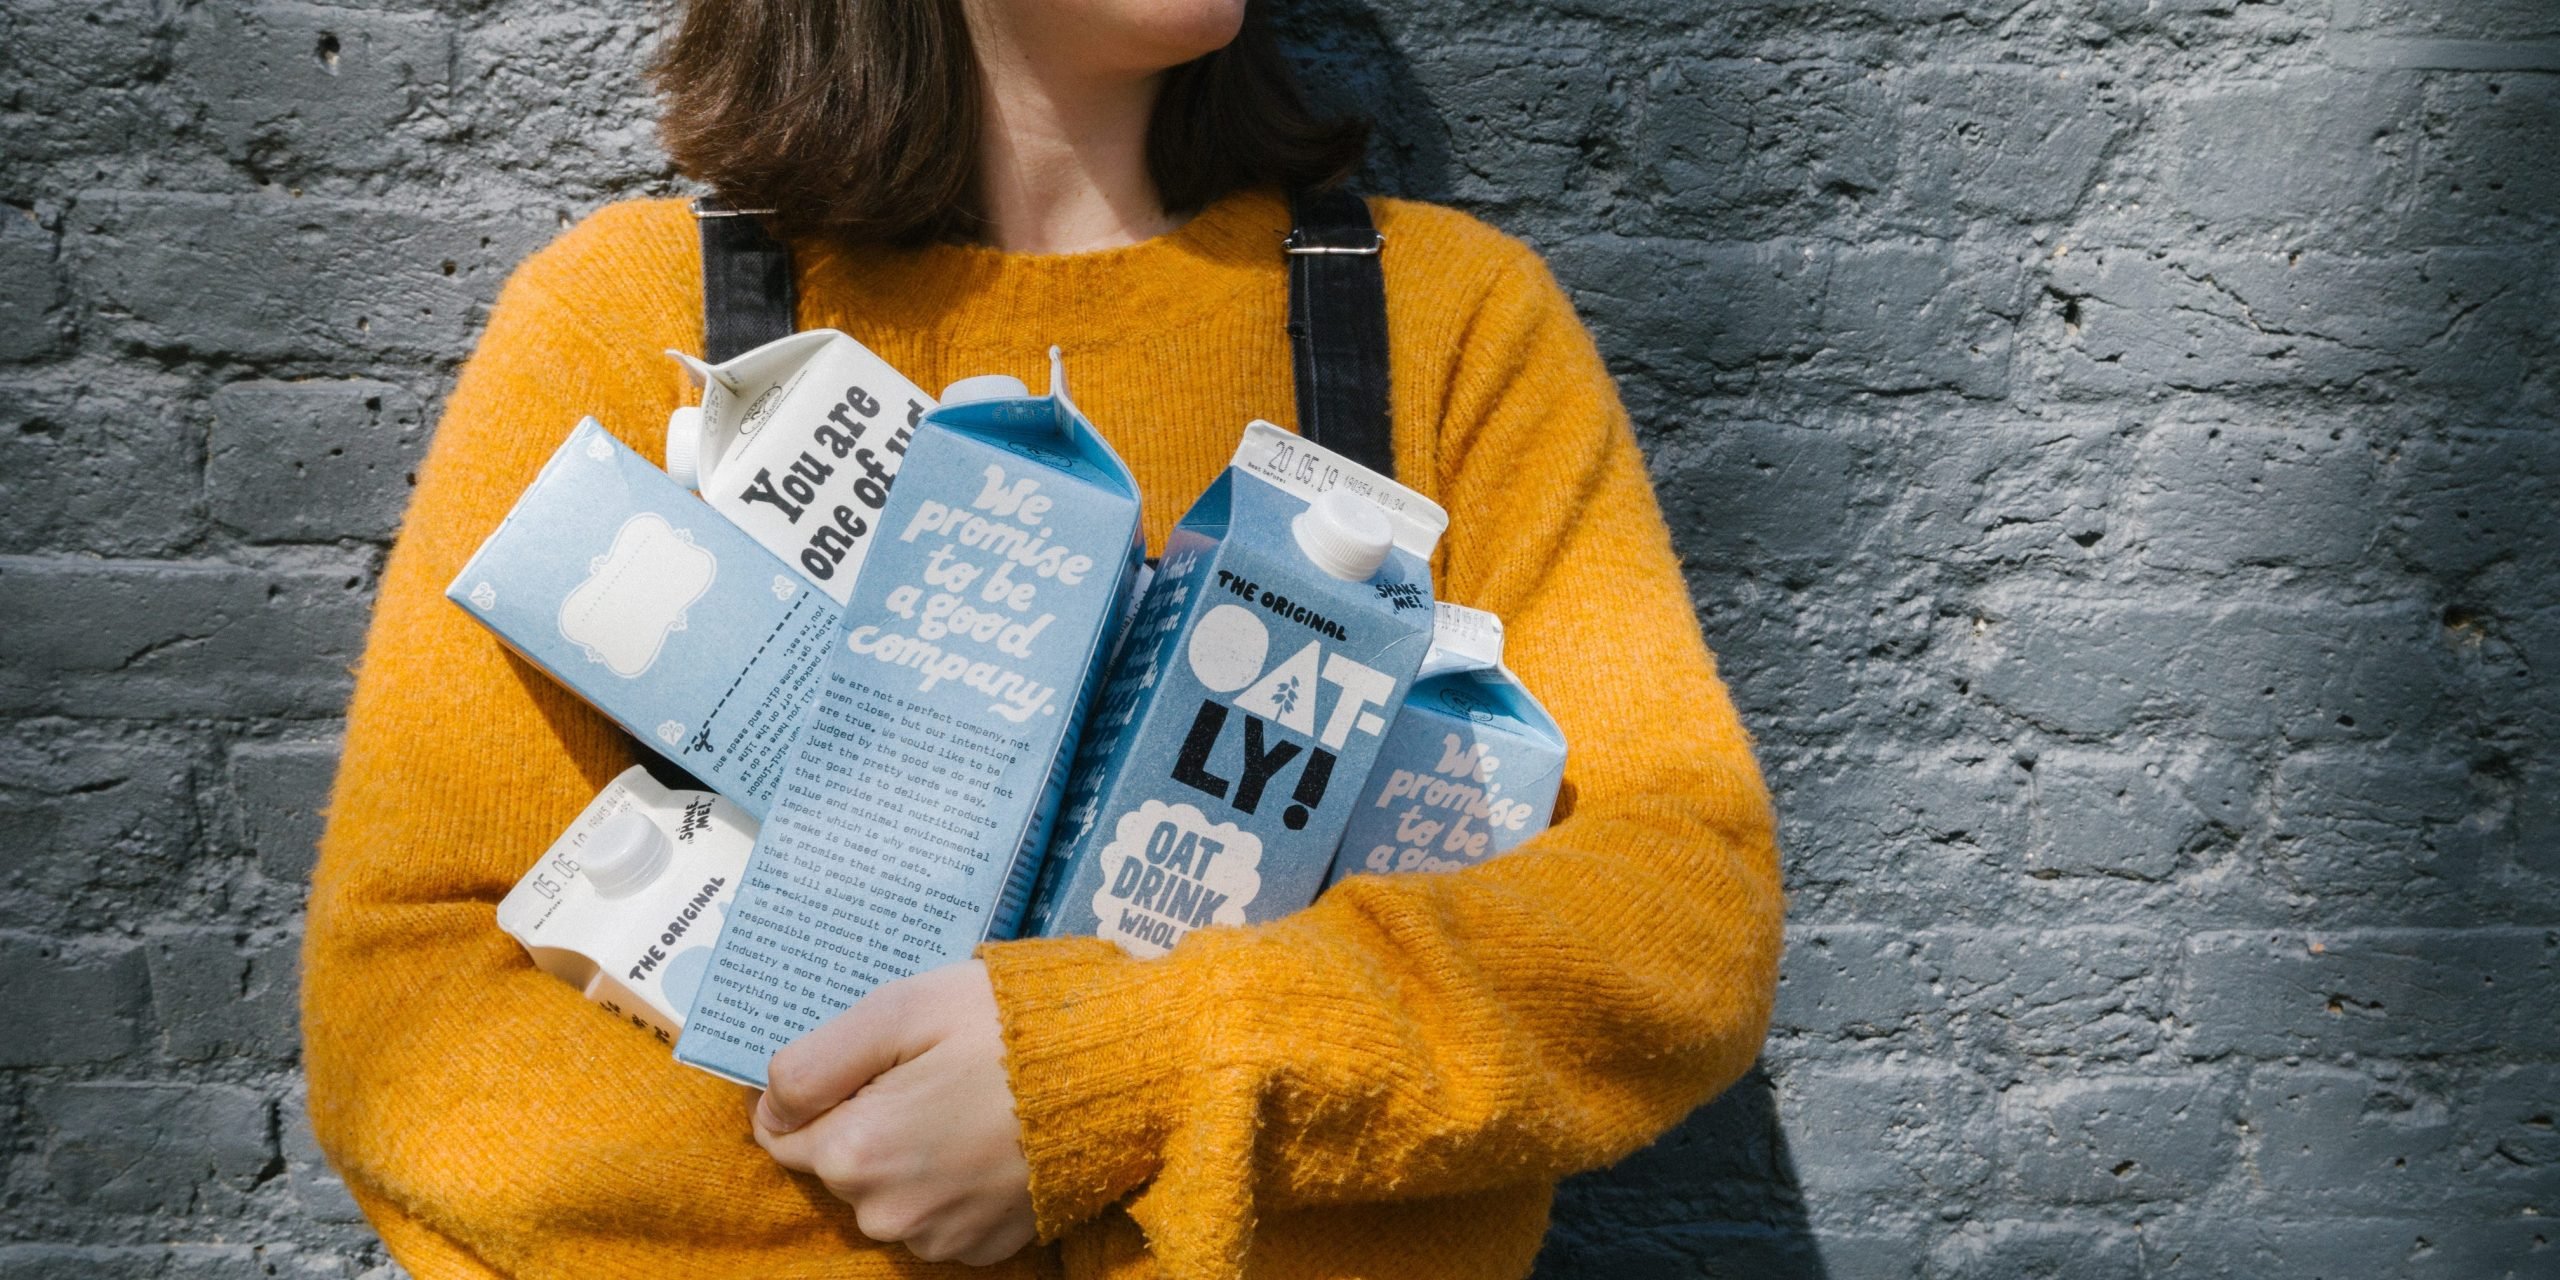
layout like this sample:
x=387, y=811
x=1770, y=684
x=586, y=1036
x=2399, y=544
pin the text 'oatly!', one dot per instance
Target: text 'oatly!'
x=1285, y=622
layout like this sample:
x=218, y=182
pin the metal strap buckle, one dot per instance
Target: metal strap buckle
x=710, y=207
x=1299, y=248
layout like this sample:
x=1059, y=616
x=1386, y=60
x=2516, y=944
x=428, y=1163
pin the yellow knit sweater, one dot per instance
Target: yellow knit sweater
x=1385, y=1084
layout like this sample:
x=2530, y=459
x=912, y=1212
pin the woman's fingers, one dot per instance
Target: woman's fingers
x=829, y=1148
x=901, y=1106
x=878, y=1154
x=829, y=1064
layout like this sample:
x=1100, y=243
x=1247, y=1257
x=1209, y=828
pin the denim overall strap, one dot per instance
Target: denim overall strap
x=746, y=281
x=1338, y=327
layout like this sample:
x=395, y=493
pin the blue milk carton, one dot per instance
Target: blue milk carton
x=631, y=591
x=1288, y=615
x=919, y=796
x=1470, y=769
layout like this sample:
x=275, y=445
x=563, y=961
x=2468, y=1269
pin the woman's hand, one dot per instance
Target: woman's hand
x=900, y=1106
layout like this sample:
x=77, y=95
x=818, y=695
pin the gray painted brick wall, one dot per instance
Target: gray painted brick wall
x=2112, y=443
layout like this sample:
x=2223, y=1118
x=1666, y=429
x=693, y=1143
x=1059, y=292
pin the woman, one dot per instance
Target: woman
x=1388, y=1083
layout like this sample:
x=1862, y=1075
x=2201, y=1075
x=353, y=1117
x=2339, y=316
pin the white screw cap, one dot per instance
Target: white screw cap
x=1344, y=534
x=986, y=386
x=684, y=446
x=625, y=854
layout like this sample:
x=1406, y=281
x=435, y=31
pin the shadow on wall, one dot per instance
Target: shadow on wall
x=1716, y=1197
x=1350, y=66
x=2234, y=516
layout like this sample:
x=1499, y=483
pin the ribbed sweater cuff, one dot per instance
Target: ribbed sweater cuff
x=1093, y=1049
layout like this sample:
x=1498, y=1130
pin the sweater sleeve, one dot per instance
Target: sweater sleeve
x=490, y=1120
x=1428, y=1035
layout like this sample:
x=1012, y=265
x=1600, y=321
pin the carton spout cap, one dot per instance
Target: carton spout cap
x=625, y=853
x=684, y=446
x=986, y=386
x=1344, y=534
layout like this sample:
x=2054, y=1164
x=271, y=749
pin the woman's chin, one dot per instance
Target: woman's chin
x=1153, y=35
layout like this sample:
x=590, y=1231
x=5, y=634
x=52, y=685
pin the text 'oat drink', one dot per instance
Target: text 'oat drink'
x=920, y=794
x=1289, y=613
x=638, y=596
x=626, y=904
x=796, y=442
x=1470, y=768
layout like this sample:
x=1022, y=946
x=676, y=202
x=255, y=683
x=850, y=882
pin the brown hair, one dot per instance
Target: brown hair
x=858, y=119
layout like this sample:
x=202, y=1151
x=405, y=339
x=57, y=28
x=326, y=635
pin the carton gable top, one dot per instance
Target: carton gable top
x=1238, y=498
x=755, y=372
x=1048, y=429
x=1304, y=469
x=1251, y=501
x=1486, y=696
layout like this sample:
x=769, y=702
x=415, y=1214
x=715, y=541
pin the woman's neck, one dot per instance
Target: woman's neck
x=1062, y=156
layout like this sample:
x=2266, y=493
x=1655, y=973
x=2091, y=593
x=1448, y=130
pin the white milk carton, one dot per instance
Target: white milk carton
x=1470, y=769
x=1289, y=613
x=626, y=904
x=920, y=794
x=796, y=442
x=654, y=607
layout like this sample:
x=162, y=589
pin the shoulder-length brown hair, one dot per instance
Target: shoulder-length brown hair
x=858, y=119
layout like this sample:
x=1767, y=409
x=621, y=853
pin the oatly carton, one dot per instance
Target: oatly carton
x=629, y=590
x=625, y=905
x=919, y=797
x=1289, y=613
x=1470, y=768
x=796, y=442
